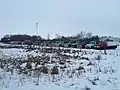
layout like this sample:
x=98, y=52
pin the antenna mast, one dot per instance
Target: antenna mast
x=36, y=29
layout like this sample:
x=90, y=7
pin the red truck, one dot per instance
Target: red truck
x=83, y=44
x=106, y=45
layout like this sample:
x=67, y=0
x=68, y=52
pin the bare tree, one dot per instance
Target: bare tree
x=81, y=35
x=57, y=36
x=89, y=35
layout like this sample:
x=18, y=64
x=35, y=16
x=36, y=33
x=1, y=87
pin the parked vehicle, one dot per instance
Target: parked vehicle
x=91, y=45
x=106, y=45
x=67, y=44
x=82, y=45
x=59, y=44
x=75, y=44
x=62, y=44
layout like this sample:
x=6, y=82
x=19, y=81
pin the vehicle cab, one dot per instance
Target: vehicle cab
x=91, y=44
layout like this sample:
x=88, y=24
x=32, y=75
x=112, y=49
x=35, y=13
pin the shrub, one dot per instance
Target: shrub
x=80, y=68
x=29, y=66
x=55, y=70
x=44, y=69
x=90, y=63
x=87, y=88
x=99, y=57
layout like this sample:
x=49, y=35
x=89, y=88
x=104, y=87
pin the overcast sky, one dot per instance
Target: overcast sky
x=66, y=17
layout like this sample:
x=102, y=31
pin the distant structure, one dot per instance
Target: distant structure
x=36, y=29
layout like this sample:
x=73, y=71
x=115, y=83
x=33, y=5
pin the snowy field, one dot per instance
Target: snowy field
x=77, y=69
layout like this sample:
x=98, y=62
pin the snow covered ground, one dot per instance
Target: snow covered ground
x=78, y=70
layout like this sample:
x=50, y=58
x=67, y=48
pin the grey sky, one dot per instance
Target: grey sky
x=65, y=17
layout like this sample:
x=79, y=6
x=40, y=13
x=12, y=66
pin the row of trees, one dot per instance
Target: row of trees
x=83, y=35
x=22, y=38
x=80, y=36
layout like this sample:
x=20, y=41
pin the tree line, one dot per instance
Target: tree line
x=21, y=38
x=83, y=36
